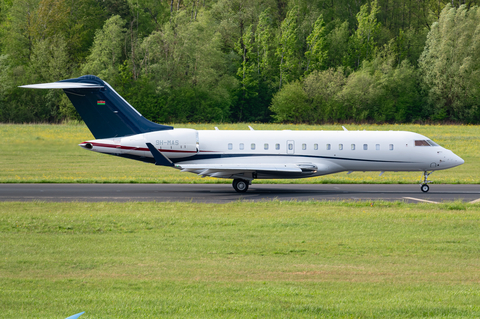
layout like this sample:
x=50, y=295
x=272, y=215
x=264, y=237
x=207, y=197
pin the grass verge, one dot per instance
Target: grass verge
x=50, y=154
x=242, y=259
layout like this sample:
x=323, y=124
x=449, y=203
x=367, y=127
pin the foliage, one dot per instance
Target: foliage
x=364, y=39
x=450, y=65
x=106, y=51
x=322, y=89
x=287, y=46
x=224, y=60
x=383, y=92
x=290, y=104
x=380, y=91
x=338, y=45
x=316, y=52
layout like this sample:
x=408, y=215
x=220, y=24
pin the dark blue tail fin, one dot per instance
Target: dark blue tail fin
x=104, y=111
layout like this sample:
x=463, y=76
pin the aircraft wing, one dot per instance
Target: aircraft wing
x=227, y=170
x=241, y=167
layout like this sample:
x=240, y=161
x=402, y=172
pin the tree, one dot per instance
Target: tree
x=450, y=65
x=316, y=53
x=264, y=44
x=322, y=89
x=186, y=63
x=267, y=66
x=84, y=19
x=106, y=53
x=17, y=40
x=148, y=15
x=382, y=91
x=290, y=104
x=397, y=87
x=287, y=47
x=49, y=63
x=246, y=72
x=50, y=18
x=50, y=60
x=337, y=45
x=364, y=38
x=120, y=8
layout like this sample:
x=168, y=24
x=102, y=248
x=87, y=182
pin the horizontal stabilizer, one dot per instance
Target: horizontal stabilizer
x=62, y=85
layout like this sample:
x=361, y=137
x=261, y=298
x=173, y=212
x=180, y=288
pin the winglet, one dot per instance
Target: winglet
x=76, y=316
x=62, y=85
x=160, y=159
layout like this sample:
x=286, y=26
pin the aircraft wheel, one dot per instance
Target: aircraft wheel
x=240, y=185
x=424, y=188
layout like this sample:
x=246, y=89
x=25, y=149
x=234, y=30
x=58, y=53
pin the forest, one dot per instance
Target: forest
x=291, y=61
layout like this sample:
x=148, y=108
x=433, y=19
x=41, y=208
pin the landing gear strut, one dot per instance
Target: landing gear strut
x=240, y=185
x=424, y=186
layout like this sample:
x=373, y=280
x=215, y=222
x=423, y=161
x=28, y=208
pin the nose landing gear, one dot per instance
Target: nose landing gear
x=424, y=187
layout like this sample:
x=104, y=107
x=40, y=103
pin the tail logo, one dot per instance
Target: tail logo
x=101, y=102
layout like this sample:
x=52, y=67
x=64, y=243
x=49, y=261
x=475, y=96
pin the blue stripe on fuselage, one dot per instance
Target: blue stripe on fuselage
x=213, y=156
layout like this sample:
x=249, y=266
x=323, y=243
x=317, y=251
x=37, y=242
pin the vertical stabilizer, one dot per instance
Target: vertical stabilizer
x=104, y=111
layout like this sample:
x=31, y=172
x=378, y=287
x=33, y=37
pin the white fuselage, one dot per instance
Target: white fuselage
x=314, y=152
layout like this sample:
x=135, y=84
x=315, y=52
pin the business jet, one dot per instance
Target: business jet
x=243, y=156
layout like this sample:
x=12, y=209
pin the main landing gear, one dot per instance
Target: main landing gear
x=240, y=185
x=424, y=187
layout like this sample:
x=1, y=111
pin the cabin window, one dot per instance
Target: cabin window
x=353, y=147
x=277, y=146
x=377, y=147
x=304, y=146
x=340, y=147
x=329, y=147
x=265, y=146
x=390, y=147
x=290, y=146
x=252, y=146
x=421, y=143
x=241, y=146
x=230, y=146
x=365, y=147
x=315, y=147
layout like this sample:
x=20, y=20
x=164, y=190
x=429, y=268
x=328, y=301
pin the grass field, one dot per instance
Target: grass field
x=50, y=154
x=244, y=260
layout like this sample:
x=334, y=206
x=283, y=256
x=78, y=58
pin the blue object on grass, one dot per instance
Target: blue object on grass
x=76, y=316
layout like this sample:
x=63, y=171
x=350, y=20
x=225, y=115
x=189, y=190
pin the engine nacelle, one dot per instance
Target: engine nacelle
x=174, y=143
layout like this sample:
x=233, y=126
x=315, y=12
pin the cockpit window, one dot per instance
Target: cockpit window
x=421, y=143
x=432, y=143
x=425, y=143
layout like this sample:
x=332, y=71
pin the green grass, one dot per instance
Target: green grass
x=50, y=154
x=243, y=259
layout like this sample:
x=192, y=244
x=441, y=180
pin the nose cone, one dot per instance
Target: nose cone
x=458, y=160
x=454, y=160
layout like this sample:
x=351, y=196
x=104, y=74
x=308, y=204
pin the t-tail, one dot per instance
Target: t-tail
x=103, y=110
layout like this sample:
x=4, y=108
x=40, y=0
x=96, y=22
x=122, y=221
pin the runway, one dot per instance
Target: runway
x=224, y=193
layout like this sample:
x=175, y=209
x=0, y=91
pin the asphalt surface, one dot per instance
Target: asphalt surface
x=224, y=193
